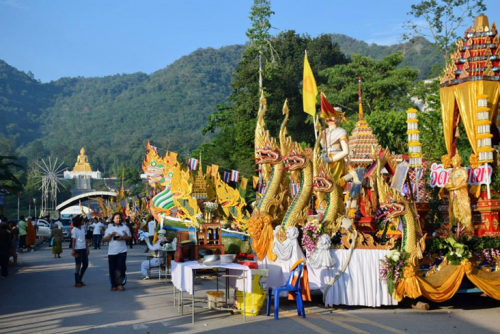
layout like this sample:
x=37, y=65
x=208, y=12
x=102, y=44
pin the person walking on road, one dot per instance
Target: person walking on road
x=4, y=249
x=98, y=226
x=22, y=225
x=80, y=251
x=89, y=232
x=30, y=235
x=117, y=234
x=14, y=238
x=57, y=238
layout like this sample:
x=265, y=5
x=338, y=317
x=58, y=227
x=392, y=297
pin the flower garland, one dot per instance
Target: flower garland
x=491, y=256
x=312, y=230
x=391, y=269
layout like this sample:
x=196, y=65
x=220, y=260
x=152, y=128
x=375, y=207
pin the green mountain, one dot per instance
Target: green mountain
x=114, y=116
x=419, y=53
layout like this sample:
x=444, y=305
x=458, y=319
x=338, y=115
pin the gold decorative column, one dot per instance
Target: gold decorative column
x=414, y=145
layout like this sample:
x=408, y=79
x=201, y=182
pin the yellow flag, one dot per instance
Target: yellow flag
x=309, y=89
x=244, y=182
x=215, y=170
x=209, y=171
x=255, y=180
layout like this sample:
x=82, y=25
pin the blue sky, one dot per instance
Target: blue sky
x=61, y=38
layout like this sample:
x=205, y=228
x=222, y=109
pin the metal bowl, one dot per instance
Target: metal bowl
x=227, y=258
x=211, y=258
x=204, y=252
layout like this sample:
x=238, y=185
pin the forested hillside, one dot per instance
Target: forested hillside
x=114, y=116
x=22, y=101
x=419, y=54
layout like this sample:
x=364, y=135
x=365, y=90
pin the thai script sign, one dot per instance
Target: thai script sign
x=440, y=175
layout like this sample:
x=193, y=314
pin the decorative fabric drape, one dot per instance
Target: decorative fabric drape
x=443, y=285
x=447, y=97
x=360, y=284
x=263, y=244
x=304, y=283
x=465, y=96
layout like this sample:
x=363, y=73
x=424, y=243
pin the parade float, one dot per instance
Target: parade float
x=356, y=213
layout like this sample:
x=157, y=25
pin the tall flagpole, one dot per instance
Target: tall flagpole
x=313, y=116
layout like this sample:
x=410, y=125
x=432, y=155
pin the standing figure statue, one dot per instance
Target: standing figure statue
x=335, y=147
x=460, y=211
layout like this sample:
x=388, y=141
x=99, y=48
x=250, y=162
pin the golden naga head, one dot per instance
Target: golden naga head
x=153, y=165
x=157, y=168
x=226, y=195
x=393, y=209
x=269, y=154
x=321, y=182
x=297, y=158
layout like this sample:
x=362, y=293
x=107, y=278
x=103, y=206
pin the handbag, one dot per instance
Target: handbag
x=52, y=241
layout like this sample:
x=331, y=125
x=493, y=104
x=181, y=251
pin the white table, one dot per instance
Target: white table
x=359, y=285
x=183, y=274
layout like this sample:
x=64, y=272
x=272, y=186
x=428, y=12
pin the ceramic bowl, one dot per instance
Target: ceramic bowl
x=227, y=258
x=208, y=259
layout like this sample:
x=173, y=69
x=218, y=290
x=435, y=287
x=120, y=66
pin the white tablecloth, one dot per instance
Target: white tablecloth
x=359, y=285
x=182, y=274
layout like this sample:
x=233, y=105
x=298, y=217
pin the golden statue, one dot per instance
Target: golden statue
x=82, y=163
x=460, y=211
x=335, y=147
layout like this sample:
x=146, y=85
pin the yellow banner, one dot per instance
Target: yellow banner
x=255, y=180
x=244, y=182
x=309, y=89
x=215, y=170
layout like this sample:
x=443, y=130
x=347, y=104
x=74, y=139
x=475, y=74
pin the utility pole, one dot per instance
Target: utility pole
x=18, y=200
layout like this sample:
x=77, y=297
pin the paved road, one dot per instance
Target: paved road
x=40, y=298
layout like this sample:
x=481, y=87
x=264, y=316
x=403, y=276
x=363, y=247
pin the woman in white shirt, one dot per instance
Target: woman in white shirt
x=117, y=234
x=80, y=250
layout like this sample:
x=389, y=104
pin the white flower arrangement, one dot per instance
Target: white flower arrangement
x=210, y=206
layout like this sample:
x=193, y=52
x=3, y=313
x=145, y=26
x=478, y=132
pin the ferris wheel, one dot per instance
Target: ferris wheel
x=50, y=173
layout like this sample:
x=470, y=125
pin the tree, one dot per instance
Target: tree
x=442, y=20
x=130, y=175
x=8, y=179
x=233, y=145
x=390, y=129
x=258, y=34
x=385, y=87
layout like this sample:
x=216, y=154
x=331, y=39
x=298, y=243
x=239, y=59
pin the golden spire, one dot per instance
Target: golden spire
x=121, y=195
x=359, y=98
x=200, y=170
x=481, y=23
